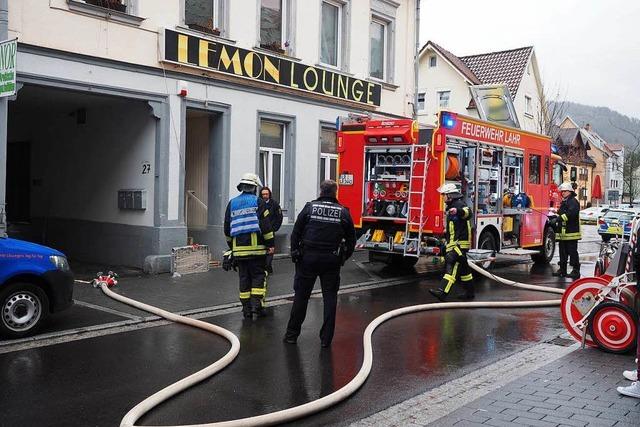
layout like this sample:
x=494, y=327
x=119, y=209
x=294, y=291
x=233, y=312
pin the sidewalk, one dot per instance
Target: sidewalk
x=578, y=388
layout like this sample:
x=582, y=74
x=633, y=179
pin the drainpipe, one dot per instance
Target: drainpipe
x=416, y=62
x=4, y=103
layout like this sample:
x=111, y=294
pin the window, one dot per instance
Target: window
x=534, y=169
x=271, y=161
x=378, y=57
x=432, y=61
x=205, y=15
x=546, y=170
x=331, y=33
x=443, y=99
x=421, y=100
x=528, y=107
x=328, y=154
x=273, y=24
x=573, y=174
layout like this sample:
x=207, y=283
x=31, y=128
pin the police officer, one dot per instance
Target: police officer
x=247, y=228
x=568, y=226
x=458, y=243
x=323, y=237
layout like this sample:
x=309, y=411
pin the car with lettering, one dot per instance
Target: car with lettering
x=35, y=281
x=616, y=222
x=591, y=215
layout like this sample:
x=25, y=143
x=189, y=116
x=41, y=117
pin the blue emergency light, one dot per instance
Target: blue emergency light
x=447, y=120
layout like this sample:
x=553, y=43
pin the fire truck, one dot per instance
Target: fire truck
x=389, y=172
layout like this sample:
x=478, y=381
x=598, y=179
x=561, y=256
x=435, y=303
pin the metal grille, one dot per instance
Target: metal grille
x=190, y=259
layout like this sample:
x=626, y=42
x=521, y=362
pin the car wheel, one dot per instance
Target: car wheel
x=606, y=237
x=23, y=307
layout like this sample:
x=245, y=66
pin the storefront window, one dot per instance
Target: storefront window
x=271, y=159
x=328, y=154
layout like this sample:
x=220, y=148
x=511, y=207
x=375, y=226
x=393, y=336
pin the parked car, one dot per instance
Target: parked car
x=591, y=215
x=616, y=222
x=34, y=281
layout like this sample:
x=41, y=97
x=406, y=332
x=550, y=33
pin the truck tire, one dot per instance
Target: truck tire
x=402, y=262
x=487, y=241
x=548, y=249
x=23, y=308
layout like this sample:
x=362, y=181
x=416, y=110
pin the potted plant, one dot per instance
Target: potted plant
x=117, y=5
x=274, y=46
x=205, y=27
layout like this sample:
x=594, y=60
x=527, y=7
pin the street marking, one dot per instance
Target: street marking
x=107, y=310
x=441, y=401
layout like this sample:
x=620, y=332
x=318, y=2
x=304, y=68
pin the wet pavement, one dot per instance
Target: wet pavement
x=95, y=381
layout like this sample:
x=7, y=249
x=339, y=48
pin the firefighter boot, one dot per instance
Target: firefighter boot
x=562, y=271
x=246, y=310
x=439, y=293
x=575, y=273
x=468, y=292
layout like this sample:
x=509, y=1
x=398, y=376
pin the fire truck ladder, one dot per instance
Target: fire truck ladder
x=415, y=214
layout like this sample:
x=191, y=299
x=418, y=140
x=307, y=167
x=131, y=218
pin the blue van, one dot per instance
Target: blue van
x=34, y=281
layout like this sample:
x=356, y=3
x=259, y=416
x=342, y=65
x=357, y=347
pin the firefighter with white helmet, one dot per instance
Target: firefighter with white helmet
x=568, y=232
x=458, y=243
x=247, y=227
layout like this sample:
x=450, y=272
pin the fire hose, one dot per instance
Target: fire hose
x=314, y=406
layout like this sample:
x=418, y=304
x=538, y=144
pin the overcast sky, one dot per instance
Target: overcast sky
x=589, y=49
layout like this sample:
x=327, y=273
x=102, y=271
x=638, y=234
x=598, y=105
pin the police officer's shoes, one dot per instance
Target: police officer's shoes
x=439, y=293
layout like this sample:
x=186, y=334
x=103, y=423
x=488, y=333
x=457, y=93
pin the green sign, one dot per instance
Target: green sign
x=8, y=54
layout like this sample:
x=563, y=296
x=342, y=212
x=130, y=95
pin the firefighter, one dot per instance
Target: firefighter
x=568, y=225
x=247, y=227
x=458, y=243
x=323, y=238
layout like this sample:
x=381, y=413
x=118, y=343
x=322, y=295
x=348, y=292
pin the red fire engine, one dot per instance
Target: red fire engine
x=389, y=171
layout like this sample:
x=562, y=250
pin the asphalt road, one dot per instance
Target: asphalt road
x=94, y=379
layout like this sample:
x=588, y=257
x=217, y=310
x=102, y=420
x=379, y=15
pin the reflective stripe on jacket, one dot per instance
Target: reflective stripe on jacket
x=568, y=213
x=248, y=232
x=458, y=230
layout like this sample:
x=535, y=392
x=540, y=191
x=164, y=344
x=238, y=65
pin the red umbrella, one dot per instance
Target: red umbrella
x=596, y=189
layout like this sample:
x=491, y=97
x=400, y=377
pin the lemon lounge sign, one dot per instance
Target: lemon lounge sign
x=194, y=51
x=8, y=51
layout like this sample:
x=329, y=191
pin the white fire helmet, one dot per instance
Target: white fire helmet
x=566, y=186
x=250, y=179
x=448, y=189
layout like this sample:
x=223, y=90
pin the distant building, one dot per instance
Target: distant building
x=573, y=146
x=445, y=79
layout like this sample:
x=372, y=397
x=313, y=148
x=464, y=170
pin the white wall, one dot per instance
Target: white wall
x=529, y=86
x=93, y=36
x=440, y=78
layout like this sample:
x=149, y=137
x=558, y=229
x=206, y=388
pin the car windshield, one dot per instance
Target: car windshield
x=620, y=215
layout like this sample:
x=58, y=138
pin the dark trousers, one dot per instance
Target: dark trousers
x=325, y=265
x=457, y=268
x=569, y=251
x=253, y=283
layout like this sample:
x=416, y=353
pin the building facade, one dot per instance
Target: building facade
x=136, y=118
x=615, y=182
x=445, y=79
x=575, y=150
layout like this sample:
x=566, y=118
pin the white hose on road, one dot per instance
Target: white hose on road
x=306, y=409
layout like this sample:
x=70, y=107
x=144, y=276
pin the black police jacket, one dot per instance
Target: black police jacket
x=569, y=215
x=322, y=225
x=458, y=226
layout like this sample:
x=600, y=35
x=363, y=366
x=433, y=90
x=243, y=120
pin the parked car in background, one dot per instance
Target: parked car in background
x=34, y=281
x=616, y=222
x=591, y=215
